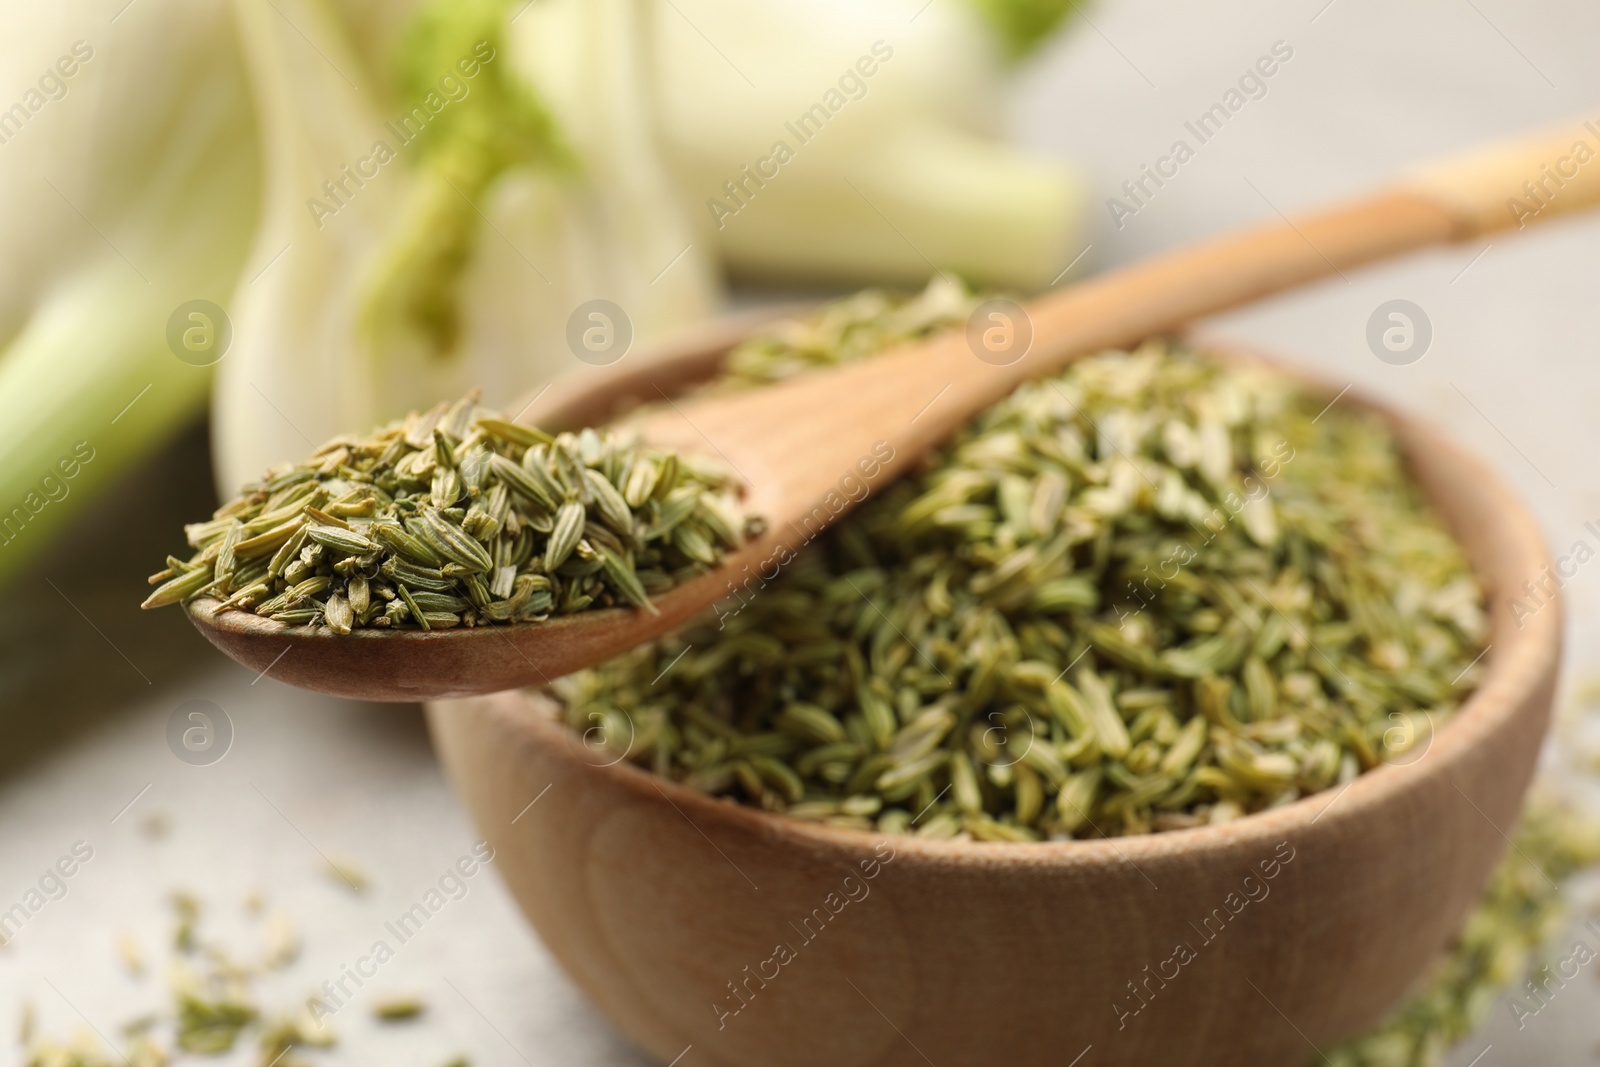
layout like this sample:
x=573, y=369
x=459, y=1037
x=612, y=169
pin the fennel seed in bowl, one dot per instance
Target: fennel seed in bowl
x=1153, y=592
x=459, y=517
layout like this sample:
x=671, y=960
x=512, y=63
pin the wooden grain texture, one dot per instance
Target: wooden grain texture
x=655, y=897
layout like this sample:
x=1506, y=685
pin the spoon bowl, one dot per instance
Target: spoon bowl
x=755, y=938
x=412, y=665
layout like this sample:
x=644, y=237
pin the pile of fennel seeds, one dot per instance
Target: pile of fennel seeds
x=1150, y=593
x=852, y=328
x=459, y=517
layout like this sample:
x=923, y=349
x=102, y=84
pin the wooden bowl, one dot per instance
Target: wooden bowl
x=728, y=936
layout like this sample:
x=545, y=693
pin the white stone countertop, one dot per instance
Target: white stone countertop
x=87, y=684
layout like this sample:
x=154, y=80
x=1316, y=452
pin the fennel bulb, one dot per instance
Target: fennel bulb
x=833, y=140
x=137, y=185
x=501, y=204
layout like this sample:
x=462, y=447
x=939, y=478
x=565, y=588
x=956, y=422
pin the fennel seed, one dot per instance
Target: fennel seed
x=397, y=1008
x=459, y=517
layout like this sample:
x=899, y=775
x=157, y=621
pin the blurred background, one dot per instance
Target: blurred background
x=233, y=230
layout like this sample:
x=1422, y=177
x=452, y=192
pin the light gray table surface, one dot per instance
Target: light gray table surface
x=87, y=683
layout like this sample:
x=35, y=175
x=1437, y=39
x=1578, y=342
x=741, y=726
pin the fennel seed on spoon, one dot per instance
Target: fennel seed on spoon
x=459, y=517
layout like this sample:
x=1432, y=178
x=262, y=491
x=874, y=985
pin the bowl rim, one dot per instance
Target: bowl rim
x=1521, y=659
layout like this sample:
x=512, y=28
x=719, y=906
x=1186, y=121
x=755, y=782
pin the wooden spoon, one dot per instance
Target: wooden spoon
x=808, y=448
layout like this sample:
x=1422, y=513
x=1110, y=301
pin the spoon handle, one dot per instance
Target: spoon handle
x=804, y=442
x=1508, y=184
